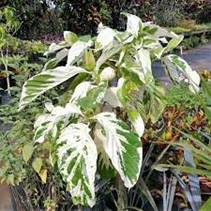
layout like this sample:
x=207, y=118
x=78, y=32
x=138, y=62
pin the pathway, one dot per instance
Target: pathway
x=199, y=58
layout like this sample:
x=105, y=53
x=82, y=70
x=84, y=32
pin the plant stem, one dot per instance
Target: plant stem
x=5, y=63
x=122, y=195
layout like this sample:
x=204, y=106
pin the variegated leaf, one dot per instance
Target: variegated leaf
x=143, y=58
x=47, y=123
x=93, y=97
x=111, y=96
x=174, y=42
x=46, y=80
x=105, y=167
x=81, y=91
x=108, y=52
x=70, y=37
x=157, y=32
x=77, y=163
x=53, y=48
x=179, y=70
x=137, y=122
x=77, y=51
x=122, y=146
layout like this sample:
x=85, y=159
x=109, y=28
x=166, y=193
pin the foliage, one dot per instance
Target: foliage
x=113, y=90
x=82, y=17
x=182, y=138
x=36, y=18
x=173, y=11
x=8, y=27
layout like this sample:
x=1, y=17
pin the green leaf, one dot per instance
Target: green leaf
x=206, y=89
x=89, y=60
x=186, y=169
x=154, y=101
x=37, y=164
x=27, y=151
x=93, y=97
x=122, y=146
x=70, y=37
x=43, y=175
x=77, y=163
x=39, y=84
x=206, y=206
x=10, y=179
x=173, y=43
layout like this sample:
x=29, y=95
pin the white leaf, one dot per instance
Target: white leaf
x=137, y=122
x=46, y=80
x=133, y=24
x=77, y=51
x=105, y=37
x=143, y=57
x=122, y=146
x=77, y=158
x=111, y=97
x=103, y=159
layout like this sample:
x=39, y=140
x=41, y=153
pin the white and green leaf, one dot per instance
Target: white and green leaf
x=93, y=98
x=47, y=123
x=77, y=163
x=143, y=58
x=136, y=121
x=81, y=91
x=104, y=165
x=70, y=37
x=42, y=82
x=179, y=70
x=122, y=146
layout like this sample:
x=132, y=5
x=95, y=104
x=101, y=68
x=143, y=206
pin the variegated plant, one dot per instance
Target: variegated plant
x=113, y=94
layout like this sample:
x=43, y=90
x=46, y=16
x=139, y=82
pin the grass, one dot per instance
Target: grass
x=190, y=27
